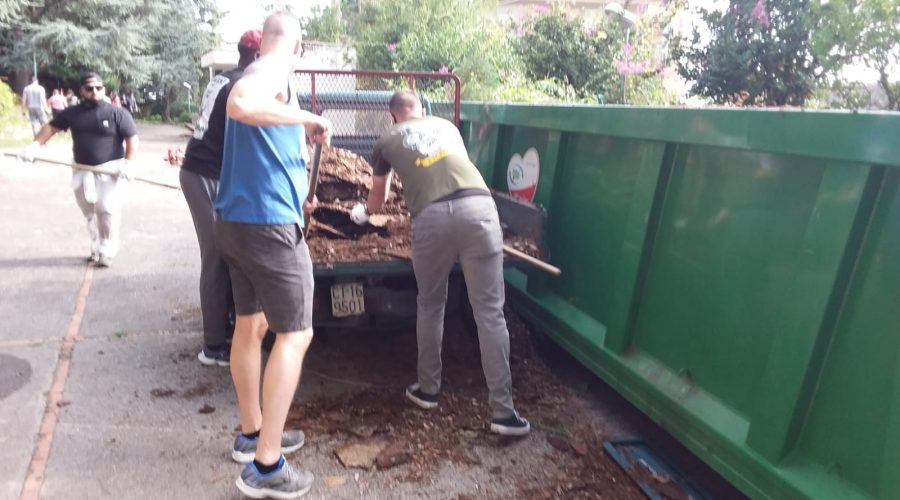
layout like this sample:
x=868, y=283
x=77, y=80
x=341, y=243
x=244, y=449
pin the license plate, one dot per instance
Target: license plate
x=347, y=300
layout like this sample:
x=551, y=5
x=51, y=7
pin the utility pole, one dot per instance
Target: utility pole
x=627, y=20
x=190, y=90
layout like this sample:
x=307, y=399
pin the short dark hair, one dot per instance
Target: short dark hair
x=403, y=99
x=87, y=76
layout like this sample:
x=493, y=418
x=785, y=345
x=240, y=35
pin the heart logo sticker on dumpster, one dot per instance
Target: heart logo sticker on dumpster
x=522, y=174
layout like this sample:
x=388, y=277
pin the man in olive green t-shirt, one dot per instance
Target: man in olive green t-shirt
x=454, y=218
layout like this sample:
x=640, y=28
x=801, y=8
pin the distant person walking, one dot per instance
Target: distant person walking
x=57, y=103
x=258, y=229
x=131, y=103
x=71, y=98
x=199, y=177
x=34, y=99
x=98, y=132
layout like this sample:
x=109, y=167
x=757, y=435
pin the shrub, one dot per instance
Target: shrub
x=558, y=45
x=7, y=100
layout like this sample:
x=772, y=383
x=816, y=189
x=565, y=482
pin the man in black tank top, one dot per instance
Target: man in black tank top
x=200, y=183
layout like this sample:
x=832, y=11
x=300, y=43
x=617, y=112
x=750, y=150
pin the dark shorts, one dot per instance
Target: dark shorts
x=271, y=271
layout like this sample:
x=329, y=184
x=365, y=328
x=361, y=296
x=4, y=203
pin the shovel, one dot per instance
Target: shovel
x=313, y=183
x=97, y=170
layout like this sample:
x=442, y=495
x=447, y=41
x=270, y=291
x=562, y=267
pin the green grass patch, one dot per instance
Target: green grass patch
x=14, y=129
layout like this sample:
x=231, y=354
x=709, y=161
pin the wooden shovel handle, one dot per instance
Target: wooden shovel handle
x=555, y=271
x=313, y=184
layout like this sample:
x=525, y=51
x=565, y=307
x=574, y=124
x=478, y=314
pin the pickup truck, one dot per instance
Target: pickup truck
x=381, y=294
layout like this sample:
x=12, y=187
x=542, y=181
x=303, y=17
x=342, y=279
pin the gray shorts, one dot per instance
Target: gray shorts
x=37, y=114
x=271, y=271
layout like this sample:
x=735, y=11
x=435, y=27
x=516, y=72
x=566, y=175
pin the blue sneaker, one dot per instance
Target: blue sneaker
x=283, y=482
x=244, y=448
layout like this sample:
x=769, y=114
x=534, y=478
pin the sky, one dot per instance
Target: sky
x=241, y=15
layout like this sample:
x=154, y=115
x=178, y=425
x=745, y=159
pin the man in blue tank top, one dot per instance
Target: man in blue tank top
x=259, y=209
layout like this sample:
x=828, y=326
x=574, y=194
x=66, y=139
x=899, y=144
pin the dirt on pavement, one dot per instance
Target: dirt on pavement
x=563, y=457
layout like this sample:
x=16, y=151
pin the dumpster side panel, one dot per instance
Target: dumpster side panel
x=854, y=424
x=732, y=273
x=590, y=216
x=729, y=240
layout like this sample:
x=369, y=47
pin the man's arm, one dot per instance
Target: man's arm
x=253, y=101
x=379, y=192
x=42, y=137
x=131, y=147
x=46, y=132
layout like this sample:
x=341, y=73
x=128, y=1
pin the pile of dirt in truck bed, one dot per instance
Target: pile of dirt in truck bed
x=563, y=457
x=345, y=180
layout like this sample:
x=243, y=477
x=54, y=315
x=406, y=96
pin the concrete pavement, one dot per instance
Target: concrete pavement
x=130, y=415
x=138, y=417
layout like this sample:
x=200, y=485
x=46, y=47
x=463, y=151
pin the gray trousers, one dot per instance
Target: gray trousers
x=216, y=301
x=466, y=230
x=100, y=198
x=38, y=118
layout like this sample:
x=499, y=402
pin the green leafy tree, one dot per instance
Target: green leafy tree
x=557, y=45
x=176, y=47
x=756, y=52
x=145, y=43
x=326, y=25
x=67, y=37
x=458, y=36
x=865, y=32
x=11, y=10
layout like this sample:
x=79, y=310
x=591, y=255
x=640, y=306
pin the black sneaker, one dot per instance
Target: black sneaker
x=212, y=356
x=511, y=426
x=420, y=399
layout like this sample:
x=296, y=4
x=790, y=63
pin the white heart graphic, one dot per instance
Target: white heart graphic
x=522, y=174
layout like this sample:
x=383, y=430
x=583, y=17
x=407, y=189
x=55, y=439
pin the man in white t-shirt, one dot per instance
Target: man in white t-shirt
x=34, y=99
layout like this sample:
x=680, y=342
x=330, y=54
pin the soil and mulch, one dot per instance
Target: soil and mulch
x=344, y=180
x=374, y=428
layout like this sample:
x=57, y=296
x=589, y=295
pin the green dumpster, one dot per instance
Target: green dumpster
x=733, y=273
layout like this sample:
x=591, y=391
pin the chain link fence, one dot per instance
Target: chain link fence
x=357, y=101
